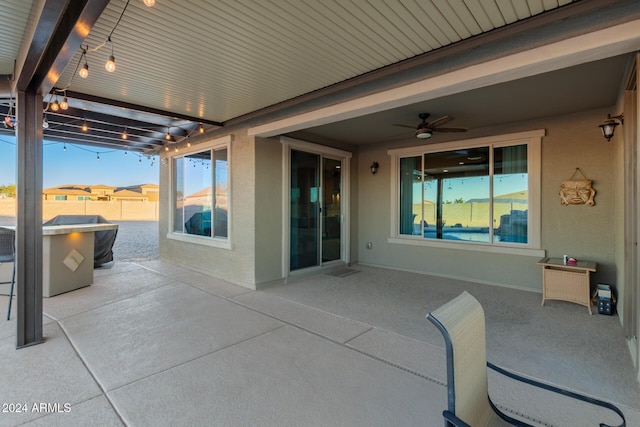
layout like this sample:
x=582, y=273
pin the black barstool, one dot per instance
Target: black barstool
x=8, y=254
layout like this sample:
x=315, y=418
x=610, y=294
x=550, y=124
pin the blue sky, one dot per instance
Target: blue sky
x=79, y=165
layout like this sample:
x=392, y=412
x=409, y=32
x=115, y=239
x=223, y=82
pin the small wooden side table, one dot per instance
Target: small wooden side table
x=567, y=282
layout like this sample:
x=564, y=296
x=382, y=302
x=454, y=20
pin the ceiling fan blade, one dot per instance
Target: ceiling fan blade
x=450, y=129
x=404, y=126
x=439, y=122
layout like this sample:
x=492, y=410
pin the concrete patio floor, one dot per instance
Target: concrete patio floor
x=153, y=344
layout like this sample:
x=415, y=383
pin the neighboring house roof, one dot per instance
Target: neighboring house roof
x=66, y=191
x=205, y=192
x=117, y=192
x=127, y=193
x=517, y=197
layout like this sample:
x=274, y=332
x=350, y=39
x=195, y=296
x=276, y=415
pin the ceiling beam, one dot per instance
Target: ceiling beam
x=62, y=26
x=136, y=112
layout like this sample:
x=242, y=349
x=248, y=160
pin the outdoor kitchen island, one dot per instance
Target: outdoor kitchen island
x=67, y=256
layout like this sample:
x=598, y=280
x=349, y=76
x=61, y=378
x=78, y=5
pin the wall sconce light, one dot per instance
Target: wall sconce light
x=608, y=127
x=374, y=167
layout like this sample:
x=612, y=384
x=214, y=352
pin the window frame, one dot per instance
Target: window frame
x=212, y=146
x=533, y=140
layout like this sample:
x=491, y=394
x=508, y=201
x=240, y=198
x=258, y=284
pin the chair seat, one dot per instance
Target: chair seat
x=462, y=324
x=496, y=421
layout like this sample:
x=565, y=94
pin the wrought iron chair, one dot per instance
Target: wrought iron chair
x=8, y=254
x=461, y=322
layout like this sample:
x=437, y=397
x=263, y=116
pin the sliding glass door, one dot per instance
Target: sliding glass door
x=315, y=210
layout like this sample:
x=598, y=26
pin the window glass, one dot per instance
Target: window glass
x=477, y=194
x=456, y=194
x=511, y=197
x=221, y=193
x=197, y=205
x=410, y=195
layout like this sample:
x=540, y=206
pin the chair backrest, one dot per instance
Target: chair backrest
x=461, y=322
x=7, y=244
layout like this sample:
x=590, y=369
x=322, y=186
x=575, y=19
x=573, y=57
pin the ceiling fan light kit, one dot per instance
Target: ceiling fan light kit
x=425, y=129
x=423, y=134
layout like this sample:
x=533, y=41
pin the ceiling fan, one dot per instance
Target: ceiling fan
x=425, y=130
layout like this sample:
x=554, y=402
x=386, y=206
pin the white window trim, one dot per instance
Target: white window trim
x=214, y=144
x=533, y=139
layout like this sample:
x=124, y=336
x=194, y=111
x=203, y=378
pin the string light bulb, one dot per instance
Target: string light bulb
x=84, y=125
x=201, y=129
x=149, y=3
x=125, y=136
x=54, y=105
x=84, y=71
x=64, y=105
x=166, y=148
x=98, y=156
x=110, y=66
x=45, y=123
x=64, y=147
x=168, y=135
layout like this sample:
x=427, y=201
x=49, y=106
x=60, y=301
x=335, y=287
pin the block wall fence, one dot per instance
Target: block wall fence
x=121, y=210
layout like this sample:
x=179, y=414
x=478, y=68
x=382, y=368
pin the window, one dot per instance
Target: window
x=483, y=191
x=60, y=198
x=201, y=193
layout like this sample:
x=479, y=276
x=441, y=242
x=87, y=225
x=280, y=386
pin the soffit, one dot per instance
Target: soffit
x=217, y=62
x=222, y=59
x=13, y=24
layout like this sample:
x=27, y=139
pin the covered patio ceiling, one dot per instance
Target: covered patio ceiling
x=191, y=65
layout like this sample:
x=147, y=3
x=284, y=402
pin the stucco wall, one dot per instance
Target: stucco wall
x=268, y=212
x=236, y=264
x=587, y=233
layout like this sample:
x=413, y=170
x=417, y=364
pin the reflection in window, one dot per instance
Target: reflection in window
x=199, y=209
x=456, y=195
x=510, y=184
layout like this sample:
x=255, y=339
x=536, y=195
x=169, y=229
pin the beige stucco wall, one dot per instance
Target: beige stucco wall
x=620, y=205
x=236, y=264
x=255, y=258
x=256, y=210
x=587, y=233
x=268, y=212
